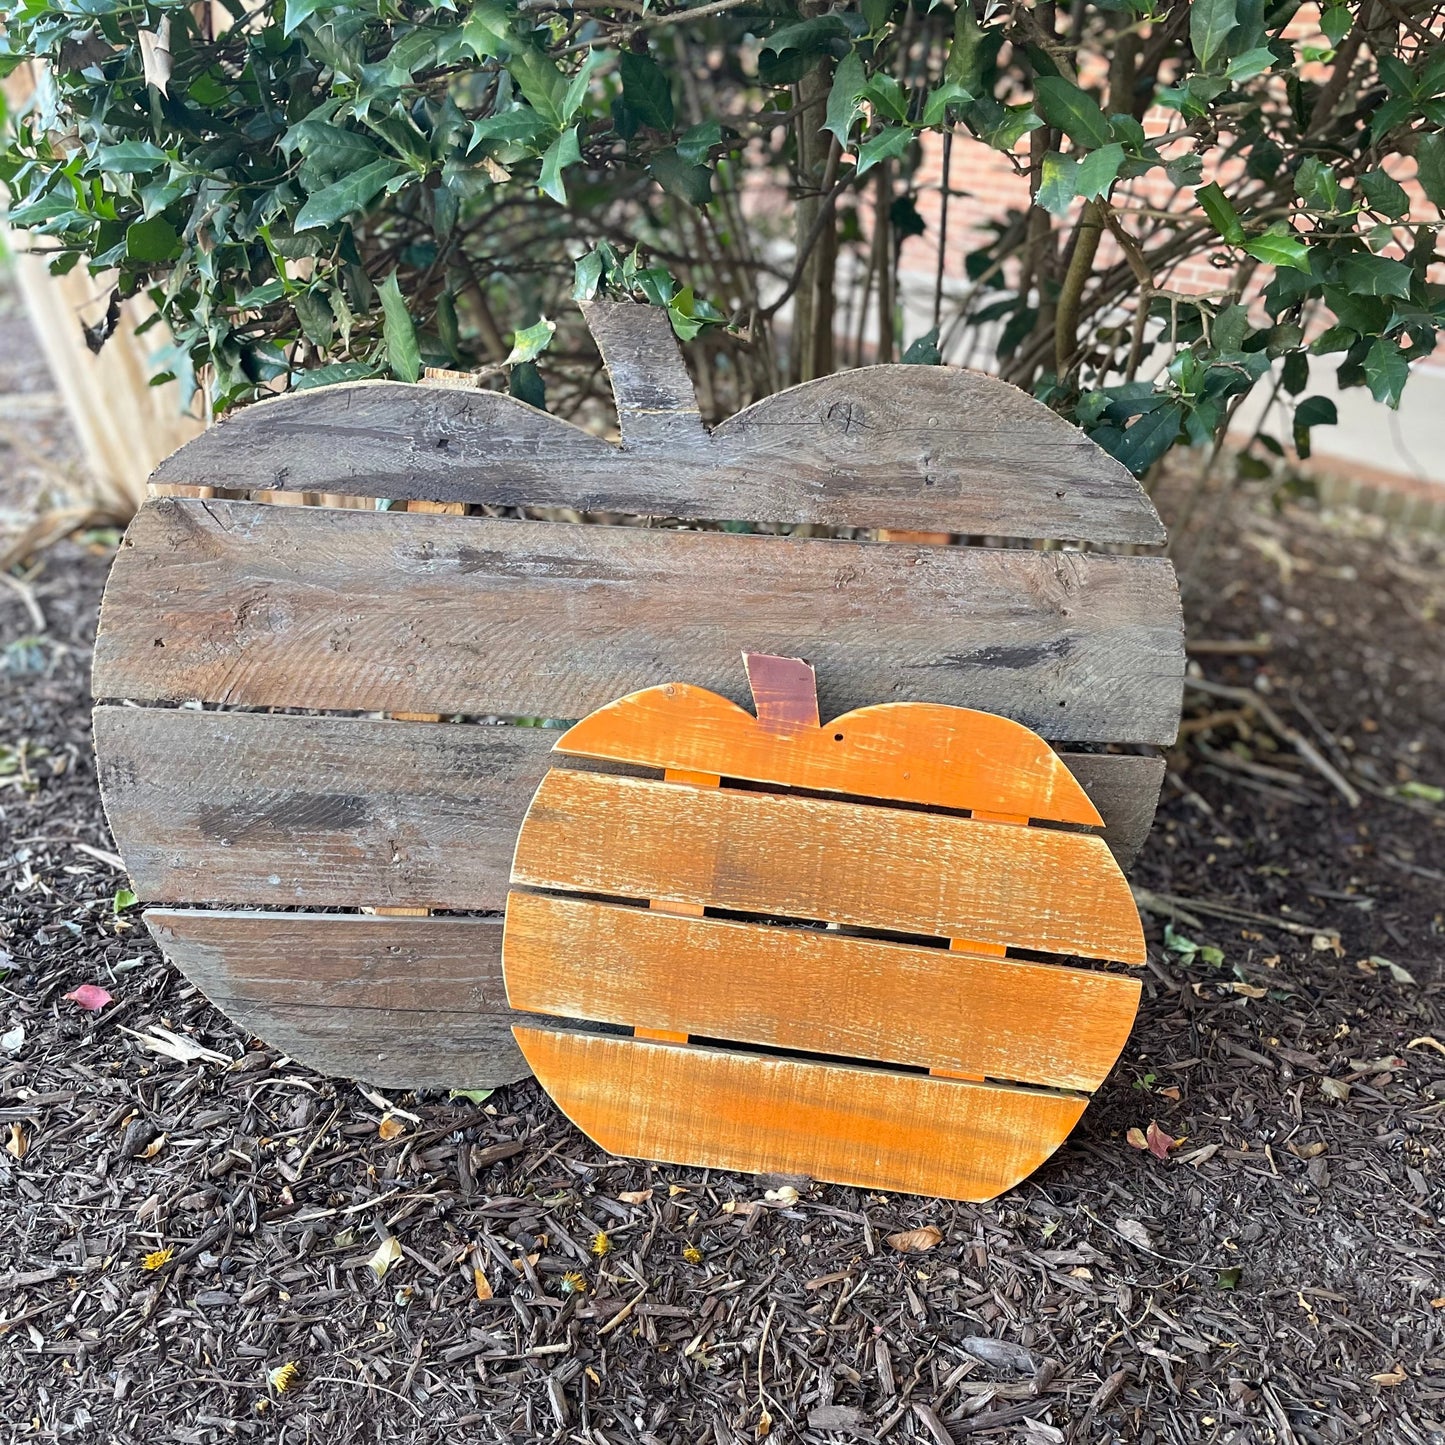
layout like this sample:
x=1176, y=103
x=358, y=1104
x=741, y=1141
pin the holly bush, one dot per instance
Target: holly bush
x=319, y=190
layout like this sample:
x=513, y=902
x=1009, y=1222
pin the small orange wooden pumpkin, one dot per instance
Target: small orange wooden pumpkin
x=864, y=1052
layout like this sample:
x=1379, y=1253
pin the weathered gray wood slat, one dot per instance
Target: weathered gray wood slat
x=400, y=1002
x=241, y=603
x=273, y=810
x=927, y=448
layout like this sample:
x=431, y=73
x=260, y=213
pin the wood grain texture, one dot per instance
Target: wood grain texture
x=283, y=810
x=406, y=1003
x=947, y=757
x=816, y=992
x=934, y=449
x=233, y=602
x=656, y=404
x=867, y=1127
x=315, y=811
x=809, y=858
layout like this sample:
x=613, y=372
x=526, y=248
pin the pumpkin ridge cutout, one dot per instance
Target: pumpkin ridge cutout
x=809, y=940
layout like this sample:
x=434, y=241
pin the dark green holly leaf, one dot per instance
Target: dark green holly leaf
x=1231, y=328
x=1384, y=194
x=299, y=10
x=563, y=152
x=887, y=97
x=131, y=157
x=1247, y=66
x=1146, y=439
x=1210, y=24
x=1316, y=184
x=1097, y=171
x=808, y=36
x=1335, y=21
x=1295, y=373
x=1075, y=112
x=1222, y=215
x=964, y=66
x=1279, y=246
x=690, y=183
x=647, y=90
x=1386, y=371
x=402, y=351
x=845, y=98
x=525, y=382
x=946, y=97
x=923, y=350
x=1312, y=412
x=153, y=240
x=887, y=145
x=530, y=342
x=337, y=371
x=520, y=126
x=1367, y=275
x=347, y=196
x=1058, y=183
x=587, y=276
x=1430, y=157
x=695, y=143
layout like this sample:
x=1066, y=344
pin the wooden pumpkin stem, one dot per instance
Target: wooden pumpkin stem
x=785, y=692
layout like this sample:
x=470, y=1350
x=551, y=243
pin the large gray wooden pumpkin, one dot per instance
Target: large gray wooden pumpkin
x=253, y=658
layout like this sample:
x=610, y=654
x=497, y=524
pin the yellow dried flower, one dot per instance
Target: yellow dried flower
x=159, y=1258
x=284, y=1377
x=573, y=1283
x=692, y=1254
x=601, y=1245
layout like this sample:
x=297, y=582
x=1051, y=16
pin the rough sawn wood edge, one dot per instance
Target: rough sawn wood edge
x=1028, y=473
x=404, y=1003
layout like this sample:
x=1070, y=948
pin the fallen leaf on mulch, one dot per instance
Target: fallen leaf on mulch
x=390, y=1128
x=1308, y=1151
x=15, y=1145
x=786, y=1195
x=13, y=1040
x=635, y=1196
x=1397, y=1376
x=89, y=996
x=481, y=1283
x=160, y=1040
x=1426, y=1042
x=1134, y=1232
x=1154, y=1140
x=915, y=1241
x=387, y=1254
x=154, y=1147
x=1335, y=1089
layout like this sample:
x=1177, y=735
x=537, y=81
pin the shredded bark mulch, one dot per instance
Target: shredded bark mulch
x=202, y=1241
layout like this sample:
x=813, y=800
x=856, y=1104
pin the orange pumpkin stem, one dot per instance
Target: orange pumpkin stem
x=785, y=692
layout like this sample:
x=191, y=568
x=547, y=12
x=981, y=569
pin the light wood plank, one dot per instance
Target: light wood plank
x=406, y=1003
x=810, y=858
x=310, y=607
x=816, y=992
x=933, y=449
x=867, y=1127
x=948, y=757
x=283, y=810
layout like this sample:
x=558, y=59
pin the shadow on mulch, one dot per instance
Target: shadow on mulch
x=1278, y=1279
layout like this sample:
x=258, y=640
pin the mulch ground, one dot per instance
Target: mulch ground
x=177, y=1232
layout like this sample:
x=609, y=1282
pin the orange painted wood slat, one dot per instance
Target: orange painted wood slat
x=874, y=1128
x=948, y=757
x=815, y=991
x=812, y=858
